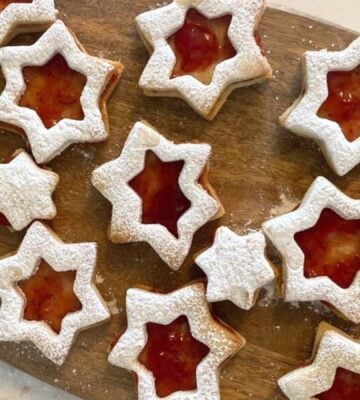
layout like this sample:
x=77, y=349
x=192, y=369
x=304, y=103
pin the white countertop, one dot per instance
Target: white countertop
x=15, y=385
x=344, y=13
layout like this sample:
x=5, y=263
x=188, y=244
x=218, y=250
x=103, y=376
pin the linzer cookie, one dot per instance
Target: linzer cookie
x=174, y=345
x=202, y=50
x=160, y=193
x=320, y=246
x=17, y=16
x=26, y=191
x=47, y=293
x=236, y=267
x=328, y=109
x=56, y=93
x=333, y=373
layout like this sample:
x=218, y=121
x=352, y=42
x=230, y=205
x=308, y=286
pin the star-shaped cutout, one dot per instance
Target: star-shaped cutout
x=40, y=243
x=200, y=45
x=331, y=248
x=158, y=187
x=282, y=231
x=114, y=178
x=101, y=77
x=53, y=90
x=49, y=296
x=333, y=351
x=246, y=67
x=172, y=354
x=302, y=117
x=26, y=191
x=236, y=267
x=23, y=16
x=144, y=307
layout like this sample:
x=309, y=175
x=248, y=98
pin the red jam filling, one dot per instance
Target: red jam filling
x=158, y=187
x=346, y=386
x=53, y=90
x=259, y=43
x=343, y=103
x=200, y=45
x=331, y=248
x=172, y=354
x=50, y=296
x=3, y=220
x=5, y=3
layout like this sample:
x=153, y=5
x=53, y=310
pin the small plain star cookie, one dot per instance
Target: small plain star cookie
x=202, y=50
x=26, y=191
x=160, y=193
x=47, y=293
x=174, y=345
x=328, y=109
x=18, y=16
x=56, y=93
x=319, y=243
x=236, y=267
x=333, y=372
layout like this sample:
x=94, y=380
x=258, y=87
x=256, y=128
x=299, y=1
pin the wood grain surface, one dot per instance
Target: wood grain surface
x=257, y=167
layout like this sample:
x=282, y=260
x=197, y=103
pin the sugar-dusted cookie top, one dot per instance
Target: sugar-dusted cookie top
x=236, y=267
x=320, y=246
x=26, y=191
x=24, y=16
x=328, y=109
x=47, y=293
x=55, y=92
x=333, y=372
x=159, y=191
x=202, y=50
x=174, y=344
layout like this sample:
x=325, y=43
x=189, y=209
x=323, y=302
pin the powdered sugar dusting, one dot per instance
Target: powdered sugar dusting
x=270, y=297
x=281, y=230
x=112, y=178
x=40, y=243
x=301, y=118
x=99, y=279
x=236, y=267
x=287, y=204
x=19, y=17
x=113, y=307
x=26, y=191
x=248, y=66
x=334, y=350
x=143, y=307
x=57, y=39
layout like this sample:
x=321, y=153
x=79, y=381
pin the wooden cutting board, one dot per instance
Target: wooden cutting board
x=257, y=167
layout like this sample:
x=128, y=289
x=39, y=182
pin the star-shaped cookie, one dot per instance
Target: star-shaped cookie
x=333, y=350
x=40, y=243
x=303, y=117
x=129, y=180
x=26, y=191
x=56, y=46
x=236, y=267
x=144, y=307
x=322, y=200
x=242, y=66
x=25, y=16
